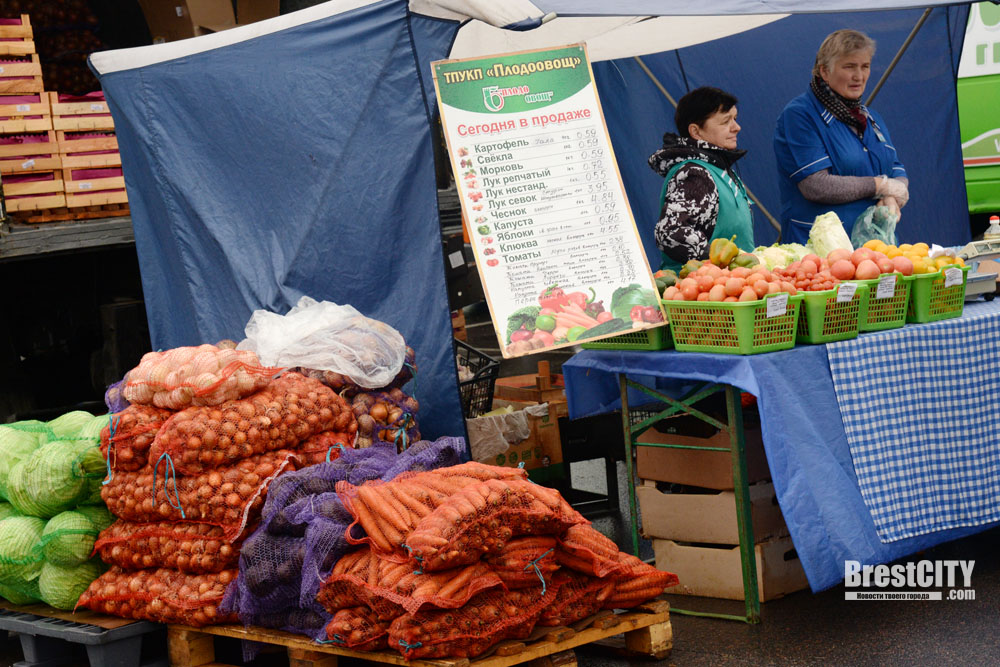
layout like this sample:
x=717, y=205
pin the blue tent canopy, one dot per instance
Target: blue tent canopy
x=293, y=156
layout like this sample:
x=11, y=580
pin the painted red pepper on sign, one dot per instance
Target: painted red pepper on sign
x=553, y=297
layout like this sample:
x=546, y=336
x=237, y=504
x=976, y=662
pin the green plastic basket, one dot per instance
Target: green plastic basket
x=731, y=328
x=888, y=313
x=930, y=300
x=644, y=339
x=822, y=319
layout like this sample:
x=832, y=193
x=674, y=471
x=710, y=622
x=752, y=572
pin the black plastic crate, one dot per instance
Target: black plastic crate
x=48, y=642
x=477, y=393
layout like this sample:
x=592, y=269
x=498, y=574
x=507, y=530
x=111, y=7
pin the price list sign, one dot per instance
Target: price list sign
x=555, y=243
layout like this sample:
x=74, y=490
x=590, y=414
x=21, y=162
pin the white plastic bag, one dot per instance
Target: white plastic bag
x=327, y=337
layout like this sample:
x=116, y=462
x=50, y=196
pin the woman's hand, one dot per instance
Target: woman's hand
x=892, y=205
x=891, y=187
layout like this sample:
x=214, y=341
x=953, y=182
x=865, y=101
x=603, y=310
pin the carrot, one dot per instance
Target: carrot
x=402, y=493
x=371, y=526
x=464, y=507
x=458, y=582
x=406, y=519
x=381, y=508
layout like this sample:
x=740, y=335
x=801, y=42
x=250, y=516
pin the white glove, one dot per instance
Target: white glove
x=892, y=205
x=891, y=187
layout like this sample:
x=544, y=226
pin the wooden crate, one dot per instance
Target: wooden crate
x=18, y=114
x=83, y=142
x=647, y=633
x=80, y=115
x=85, y=190
x=20, y=74
x=17, y=39
x=34, y=195
x=41, y=155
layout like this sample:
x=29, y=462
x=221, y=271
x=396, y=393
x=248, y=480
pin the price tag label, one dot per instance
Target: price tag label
x=24, y=107
x=86, y=186
x=1, y=70
x=846, y=291
x=456, y=259
x=27, y=164
x=952, y=277
x=886, y=286
x=98, y=107
x=777, y=305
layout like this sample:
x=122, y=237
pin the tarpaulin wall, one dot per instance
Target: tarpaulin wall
x=295, y=163
x=768, y=66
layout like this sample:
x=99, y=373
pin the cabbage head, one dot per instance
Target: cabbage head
x=6, y=510
x=780, y=255
x=91, y=431
x=15, y=445
x=828, y=234
x=99, y=515
x=26, y=594
x=54, y=478
x=68, y=539
x=61, y=587
x=20, y=555
x=67, y=426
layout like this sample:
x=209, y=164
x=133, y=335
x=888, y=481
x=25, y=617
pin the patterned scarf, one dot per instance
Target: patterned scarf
x=849, y=112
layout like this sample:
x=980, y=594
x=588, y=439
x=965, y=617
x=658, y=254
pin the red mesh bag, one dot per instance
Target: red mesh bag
x=486, y=619
x=389, y=511
x=526, y=561
x=195, y=548
x=587, y=551
x=288, y=411
x=201, y=375
x=579, y=597
x=358, y=629
x=324, y=447
x=134, y=429
x=387, y=417
x=391, y=589
x=160, y=595
x=637, y=582
x=481, y=518
x=227, y=497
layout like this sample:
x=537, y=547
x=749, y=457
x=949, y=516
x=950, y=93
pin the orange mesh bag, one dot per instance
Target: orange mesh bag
x=486, y=619
x=391, y=589
x=389, y=511
x=579, y=597
x=195, y=548
x=358, y=629
x=125, y=441
x=526, y=561
x=201, y=375
x=324, y=447
x=587, y=551
x=288, y=411
x=160, y=595
x=481, y=518
x=637, y=582
x=227, y=497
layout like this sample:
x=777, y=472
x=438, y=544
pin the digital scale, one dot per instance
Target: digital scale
x=977, y=283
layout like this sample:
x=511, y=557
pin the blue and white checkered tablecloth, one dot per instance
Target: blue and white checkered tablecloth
x=921, y=410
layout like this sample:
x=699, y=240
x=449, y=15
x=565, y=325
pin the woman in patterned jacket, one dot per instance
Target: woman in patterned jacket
x=702, y=197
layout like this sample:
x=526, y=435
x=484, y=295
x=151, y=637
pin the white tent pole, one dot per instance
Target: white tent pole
x=899, y=54
x=656, y=82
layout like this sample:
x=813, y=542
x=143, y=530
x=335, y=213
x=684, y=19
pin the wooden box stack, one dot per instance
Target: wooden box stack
x=88, y=148
x=688, y=510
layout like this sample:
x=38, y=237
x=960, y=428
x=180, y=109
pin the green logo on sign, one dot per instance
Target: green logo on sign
x=989, y=14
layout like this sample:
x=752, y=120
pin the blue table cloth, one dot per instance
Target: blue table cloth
x=804, y=436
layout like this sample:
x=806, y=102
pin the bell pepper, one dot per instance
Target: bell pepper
x=689, y=267
x=745, y=260
x=581, y=299
x=722, y=251
x=664, y=278
x=553, y=297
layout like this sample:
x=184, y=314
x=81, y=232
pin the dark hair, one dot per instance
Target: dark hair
x=698, y=105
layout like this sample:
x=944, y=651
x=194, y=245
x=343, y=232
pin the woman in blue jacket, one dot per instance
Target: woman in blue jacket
x=833, y=153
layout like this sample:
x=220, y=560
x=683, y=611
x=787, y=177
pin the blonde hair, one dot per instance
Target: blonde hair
x=838, y=44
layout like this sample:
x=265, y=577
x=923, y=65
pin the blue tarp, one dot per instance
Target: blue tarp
x=768, y=66
x=295, y=163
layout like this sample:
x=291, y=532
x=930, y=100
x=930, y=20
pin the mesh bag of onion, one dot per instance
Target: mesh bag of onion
x=386, y=417
x=126, y=440
x=195, y=548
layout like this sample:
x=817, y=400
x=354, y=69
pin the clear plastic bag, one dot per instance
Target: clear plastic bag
x=325, y=336
x=875, y=222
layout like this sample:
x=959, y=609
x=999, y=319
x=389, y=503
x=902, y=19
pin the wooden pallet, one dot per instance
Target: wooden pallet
x=22, y=76
x=19, y=158
x=14, y=115
x=24, y=44
x=646, y=629
x=63, y=213
x=78, y=116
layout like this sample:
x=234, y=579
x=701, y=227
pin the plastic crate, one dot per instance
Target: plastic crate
x=732, y=328
x=930, y=300
x=645, y=339
x=477, y=393
x=822, y=319
x=888, y=313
